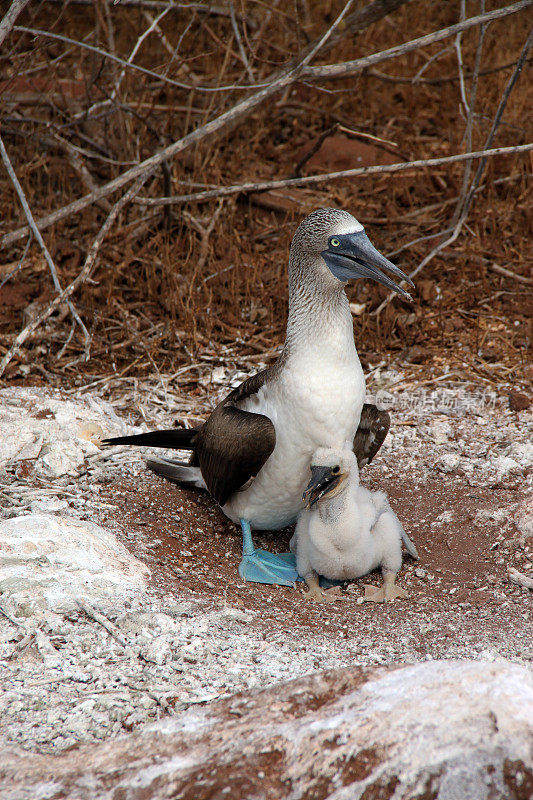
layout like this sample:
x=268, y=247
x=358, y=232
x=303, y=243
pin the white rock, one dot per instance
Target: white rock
x=48, y=505
x=135, y=622
x=218, y=375
x=47, y=561
x=505, y=467
x=448, y=462
x=440, y=431
x=236, y=614
x=446, y=730
x=158, y=651
x=525, y=525
x=57, y=434
x=498, y=516
x=523, y=453
x=445, y=516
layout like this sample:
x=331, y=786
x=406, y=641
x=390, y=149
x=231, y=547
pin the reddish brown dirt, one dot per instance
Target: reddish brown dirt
x=464, y=605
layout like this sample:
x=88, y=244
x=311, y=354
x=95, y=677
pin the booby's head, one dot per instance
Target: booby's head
x=340, y=242
x=330, y=468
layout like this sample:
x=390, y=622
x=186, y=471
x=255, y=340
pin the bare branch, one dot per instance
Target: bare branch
x=519, y=578
x=81, y=278
x=464, y=206
x=348, y=68
x=499, y=113
x=356, y=22
x=429, y=62
x=470, y=105
x=36, y=233
x=313, y=180
x=314, y=149
x=382, y=76
x=242, y=110
x=512, y=275
x=16, y=8
x=318, y=45
x=19, y=264
x=240, y=45
x=105, y=54
x=158, y=5
x=459, y=53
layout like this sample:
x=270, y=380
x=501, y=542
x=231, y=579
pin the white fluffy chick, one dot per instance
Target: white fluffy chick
x=347, y=531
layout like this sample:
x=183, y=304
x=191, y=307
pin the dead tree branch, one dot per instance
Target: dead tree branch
x=81, y=278
x=512, y=275
x=242, y=110
x=348, y=68
x=466, y=198
x=16, y=8
x=36, y=233
x=313, y=180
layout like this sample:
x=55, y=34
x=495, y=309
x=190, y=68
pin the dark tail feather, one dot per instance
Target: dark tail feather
x=176, y=439
x=178, y=472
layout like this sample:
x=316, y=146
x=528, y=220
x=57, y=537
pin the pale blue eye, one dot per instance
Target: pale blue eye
x=334, y=242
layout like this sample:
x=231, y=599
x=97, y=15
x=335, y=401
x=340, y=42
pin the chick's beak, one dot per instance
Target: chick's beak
x=323, y=480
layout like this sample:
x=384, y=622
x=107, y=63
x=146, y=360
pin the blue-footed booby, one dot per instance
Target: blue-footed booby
x=253, y=452
x=346, y=531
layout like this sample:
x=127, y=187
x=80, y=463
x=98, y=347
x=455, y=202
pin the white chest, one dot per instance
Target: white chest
x=328, y=394
x=315, y=402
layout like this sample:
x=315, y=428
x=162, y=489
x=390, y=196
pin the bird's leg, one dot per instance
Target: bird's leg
x=389, y=590
x=316, y=593
x=261, y=566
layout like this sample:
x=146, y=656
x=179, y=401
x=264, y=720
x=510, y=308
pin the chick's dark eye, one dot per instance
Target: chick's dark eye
x=334, y=242
x=336, y=470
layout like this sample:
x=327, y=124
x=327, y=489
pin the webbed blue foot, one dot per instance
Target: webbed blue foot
x=261, y=566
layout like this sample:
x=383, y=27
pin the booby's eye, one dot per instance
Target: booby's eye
x=335, y=470
x=334, y=242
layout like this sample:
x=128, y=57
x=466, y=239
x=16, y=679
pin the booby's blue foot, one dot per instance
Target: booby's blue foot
x=261, y=566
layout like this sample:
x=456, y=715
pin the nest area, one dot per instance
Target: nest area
x=205, y=282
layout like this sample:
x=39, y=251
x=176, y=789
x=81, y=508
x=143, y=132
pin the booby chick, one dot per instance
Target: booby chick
x=346, y=531
x=253, y=452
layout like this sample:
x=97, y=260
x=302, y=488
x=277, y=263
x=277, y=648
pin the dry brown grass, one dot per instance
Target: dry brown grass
x=151, y=301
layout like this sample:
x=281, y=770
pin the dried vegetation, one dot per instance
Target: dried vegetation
x=199, y=282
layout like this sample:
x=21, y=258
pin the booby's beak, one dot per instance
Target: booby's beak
x=323, y=480
x=352, y=255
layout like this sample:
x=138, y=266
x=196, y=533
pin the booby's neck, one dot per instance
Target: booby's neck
x=319, y=312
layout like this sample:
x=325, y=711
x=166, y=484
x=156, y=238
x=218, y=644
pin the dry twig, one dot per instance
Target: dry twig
x=313, y=180
x=81, y=278
x=16, y=8
x=242, y=110
x=517, y=577
x=36, y=233
x=467, y=195
x=508, y=274
x=103, y=621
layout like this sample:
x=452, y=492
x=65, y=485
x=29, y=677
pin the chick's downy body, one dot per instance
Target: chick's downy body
x=347, y=531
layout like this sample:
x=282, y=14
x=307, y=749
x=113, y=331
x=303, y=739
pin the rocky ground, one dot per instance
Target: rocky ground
x=93, y=645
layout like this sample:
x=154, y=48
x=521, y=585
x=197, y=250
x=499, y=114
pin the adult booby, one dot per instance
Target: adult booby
x=346, y=531
x=253, y=452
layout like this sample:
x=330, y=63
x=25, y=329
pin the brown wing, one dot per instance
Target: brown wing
x=370, y=435
x=233, y=444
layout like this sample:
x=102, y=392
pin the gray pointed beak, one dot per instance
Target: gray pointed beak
x=322, y=481
x=352, y=255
